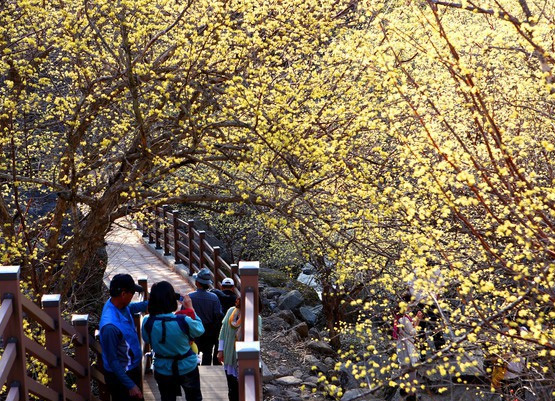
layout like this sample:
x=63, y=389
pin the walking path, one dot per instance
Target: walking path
x=127, y=253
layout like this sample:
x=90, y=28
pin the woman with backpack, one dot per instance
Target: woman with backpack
x=169, y=335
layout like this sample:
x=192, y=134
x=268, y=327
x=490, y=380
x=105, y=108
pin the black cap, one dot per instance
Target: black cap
x=124, y=282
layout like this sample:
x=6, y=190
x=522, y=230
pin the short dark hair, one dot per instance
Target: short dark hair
x=162, y=298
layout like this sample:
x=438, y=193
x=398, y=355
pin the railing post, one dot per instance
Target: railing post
x=144, y=226
x=51, y=305
x=234, y=275
x=157, y=228
x=190, y=243
x=13, y=332
x=147, y=356
x=151, y=222
x=248, y=358
x=81, y=324
x=137, y=320
x=248, y=349
x=175, y=227
x=217, y=281
x=166, y=232
x=201, y=237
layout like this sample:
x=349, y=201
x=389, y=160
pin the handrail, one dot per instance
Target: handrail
x=13, y=361
x=37, y=314
x=165, y=230
x=6, y=310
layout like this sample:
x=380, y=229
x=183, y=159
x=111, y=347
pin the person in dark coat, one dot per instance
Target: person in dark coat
x=226, y=294
x=208, y=307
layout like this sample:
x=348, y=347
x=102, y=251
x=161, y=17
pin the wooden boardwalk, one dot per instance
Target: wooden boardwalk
x=127, y=253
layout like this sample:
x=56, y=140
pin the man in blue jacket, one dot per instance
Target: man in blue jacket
x=121, y=350
x=207, y=306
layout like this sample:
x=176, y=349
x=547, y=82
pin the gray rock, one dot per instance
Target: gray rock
x=347, y=379
x=291, y=300
x=329, y=361
x=306, y=314
x=288, y=316
x=267, y=375
x=283, y=371
x=311, y=381
x=320, y=366
x=320, y=347
x=288, y=380
x=301, y=329
x=274, y=323
x=270, y=389
x=293, y=337
x=314, y=333
x=357, y=394
x=298, y=374
x=271, y=293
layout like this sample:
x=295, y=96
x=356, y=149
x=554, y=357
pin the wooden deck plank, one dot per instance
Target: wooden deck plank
x=213, y=385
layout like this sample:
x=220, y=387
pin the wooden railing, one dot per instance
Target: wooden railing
x=55, y=354
x=180, y=239
x=248, y=350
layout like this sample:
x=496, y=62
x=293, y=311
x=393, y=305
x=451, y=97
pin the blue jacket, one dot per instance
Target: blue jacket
x=207, y=306
x=177, y=343
x=121, y=350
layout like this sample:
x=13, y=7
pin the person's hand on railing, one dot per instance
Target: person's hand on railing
x=135, y=392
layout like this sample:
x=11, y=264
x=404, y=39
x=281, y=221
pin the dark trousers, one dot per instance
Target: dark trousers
x=117, y=390
x=208, y=345
x=169, y=386
x=232, y=387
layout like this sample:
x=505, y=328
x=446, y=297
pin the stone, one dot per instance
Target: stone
x=314, y=334
x=347, y=379
x=320, y=347
x=329, y=361
x=270, y=389
x=306, y=315
x=357, y=394
x=301, y=329
x=287, y=315
x=288, y=380
x=274, y=323
x=267, y=375
x=315, y=362
x=271, y=293
x=291, y=300
x=293, y=337
x=298, y=374
x=284, y=371
x=311, y=379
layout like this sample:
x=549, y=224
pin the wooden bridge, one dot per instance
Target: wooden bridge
x=69, y=361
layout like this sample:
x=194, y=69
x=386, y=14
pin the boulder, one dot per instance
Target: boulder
x=301, y=329
x=357, y=394
x=274, y=323
x=320, y=347
x=306, y=315
x=291, y=300
x=287, y=315
x=288, y=380
x=267, y=375
x=315, y=362
x=347, y=379
x=314, y=334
